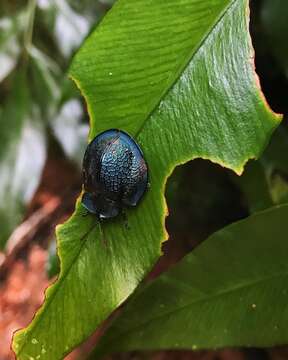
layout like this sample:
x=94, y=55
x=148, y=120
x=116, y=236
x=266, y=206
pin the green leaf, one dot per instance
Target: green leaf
x=22, y=155
x=70, y=27
x=179, y=76
x=52, y=264
x=44, y=83
x=279, y=189
x=255, y=186
x=231, y=291
x=274, y=164
x=274, y=157
x=264, y=182
x=69, y=122
x=10, y=28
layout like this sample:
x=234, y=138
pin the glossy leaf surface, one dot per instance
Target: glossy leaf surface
x=221, y=295
x=177, y=75
x=9, y=44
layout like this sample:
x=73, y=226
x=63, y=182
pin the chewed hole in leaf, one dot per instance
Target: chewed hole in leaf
x=201, y=198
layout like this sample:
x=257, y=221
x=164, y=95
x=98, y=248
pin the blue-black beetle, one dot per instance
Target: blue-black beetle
x=115, y=174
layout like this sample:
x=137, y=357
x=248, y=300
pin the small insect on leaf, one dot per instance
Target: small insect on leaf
x=115, y=174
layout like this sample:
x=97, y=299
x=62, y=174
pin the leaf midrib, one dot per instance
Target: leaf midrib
x=203, y=299
x=185, y=64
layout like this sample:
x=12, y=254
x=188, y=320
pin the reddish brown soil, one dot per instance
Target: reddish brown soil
x=24, y=280
x=20, y=295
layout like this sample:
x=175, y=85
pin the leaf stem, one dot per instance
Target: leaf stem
x=28, y=35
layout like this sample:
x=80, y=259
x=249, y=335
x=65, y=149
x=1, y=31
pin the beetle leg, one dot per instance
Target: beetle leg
x=85, y=213
x=125, y=220
x=102, y=234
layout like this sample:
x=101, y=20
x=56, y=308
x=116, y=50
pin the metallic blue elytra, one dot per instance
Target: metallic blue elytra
x=115, y=174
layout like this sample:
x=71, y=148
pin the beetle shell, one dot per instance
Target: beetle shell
x=115, y=174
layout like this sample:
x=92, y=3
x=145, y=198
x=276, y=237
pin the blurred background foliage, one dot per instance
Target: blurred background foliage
x=38, y=103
